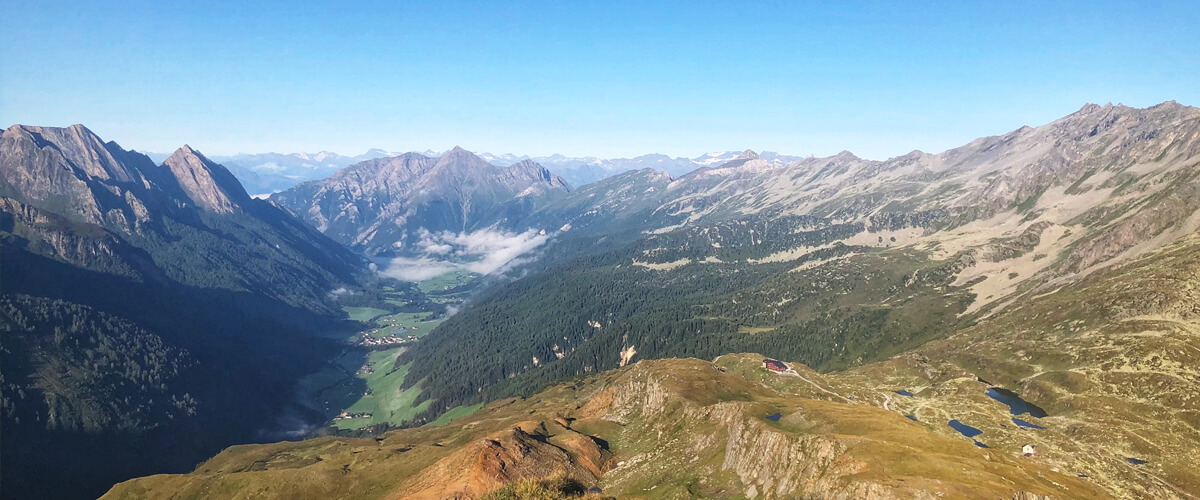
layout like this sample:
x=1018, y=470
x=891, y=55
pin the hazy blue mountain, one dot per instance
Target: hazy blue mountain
x=263, y=174
x=579, y=171
x=267, y=173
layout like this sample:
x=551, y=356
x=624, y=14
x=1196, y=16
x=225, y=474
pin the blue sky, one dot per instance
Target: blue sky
x=584, y=78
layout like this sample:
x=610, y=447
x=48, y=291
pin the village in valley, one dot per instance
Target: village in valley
x=362, y=387
x=390, y=339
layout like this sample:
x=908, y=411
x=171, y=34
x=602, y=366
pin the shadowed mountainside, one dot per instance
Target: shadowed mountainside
x=152, y=314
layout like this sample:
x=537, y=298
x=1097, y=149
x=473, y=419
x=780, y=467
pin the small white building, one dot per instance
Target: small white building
x=1028, y=450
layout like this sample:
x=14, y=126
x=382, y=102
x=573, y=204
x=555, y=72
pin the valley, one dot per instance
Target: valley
x=1012, y=318
x=361, y=390
x=944, y=418
x=431, y=250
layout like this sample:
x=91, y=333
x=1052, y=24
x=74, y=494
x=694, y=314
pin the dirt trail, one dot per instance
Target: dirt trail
x=792, y=371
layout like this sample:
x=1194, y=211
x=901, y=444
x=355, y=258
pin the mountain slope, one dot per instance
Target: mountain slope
x=1091, y=392
x=1083, y=161
x=206, y=184
x=382, y=205
x=712, y=438
x=185, y=214
x=831, y=262
x=152, y=314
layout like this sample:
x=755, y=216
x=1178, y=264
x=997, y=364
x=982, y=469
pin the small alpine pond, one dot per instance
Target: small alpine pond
x=1016, y=405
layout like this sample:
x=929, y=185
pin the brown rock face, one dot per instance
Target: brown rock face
x=507, y=456
x=72, y=172
x=95, y=205
x=205, y=183
x=81, y=244
x=66, y=169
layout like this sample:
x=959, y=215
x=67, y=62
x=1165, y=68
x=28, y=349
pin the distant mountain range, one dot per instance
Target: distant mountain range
x=580, y=171
x=265, y=173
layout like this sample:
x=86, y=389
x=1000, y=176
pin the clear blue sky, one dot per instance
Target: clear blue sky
x=583, y=78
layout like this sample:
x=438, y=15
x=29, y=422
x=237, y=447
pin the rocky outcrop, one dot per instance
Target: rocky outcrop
x=72, y=172
x=77, y=243
x=522, y=452
x=769, y=463
x=68, y=170
x=776, y=465
x=696, y=414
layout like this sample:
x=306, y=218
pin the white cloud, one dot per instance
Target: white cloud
x=485, y=251
x=420, y=269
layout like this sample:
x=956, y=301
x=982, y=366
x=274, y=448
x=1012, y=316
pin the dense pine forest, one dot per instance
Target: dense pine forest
x=589, y=302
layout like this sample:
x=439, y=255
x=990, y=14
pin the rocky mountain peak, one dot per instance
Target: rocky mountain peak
x=845, y=156
x=748, y=154
x=461, y=162
x=80, y=147
x=458, y=152
x=536, y=172
x=207, y=184
x=527, y=165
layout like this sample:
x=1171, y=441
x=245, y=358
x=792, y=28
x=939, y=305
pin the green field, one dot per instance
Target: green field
x=363, y=314
x=454, y=278
x=404, y=324
x=345, y=384
x=385, y=402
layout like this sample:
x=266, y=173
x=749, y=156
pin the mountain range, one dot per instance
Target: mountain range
x=579, y=171
x=979, y=263
x=1013, y=318
x=997, y=221
x=265, y=173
